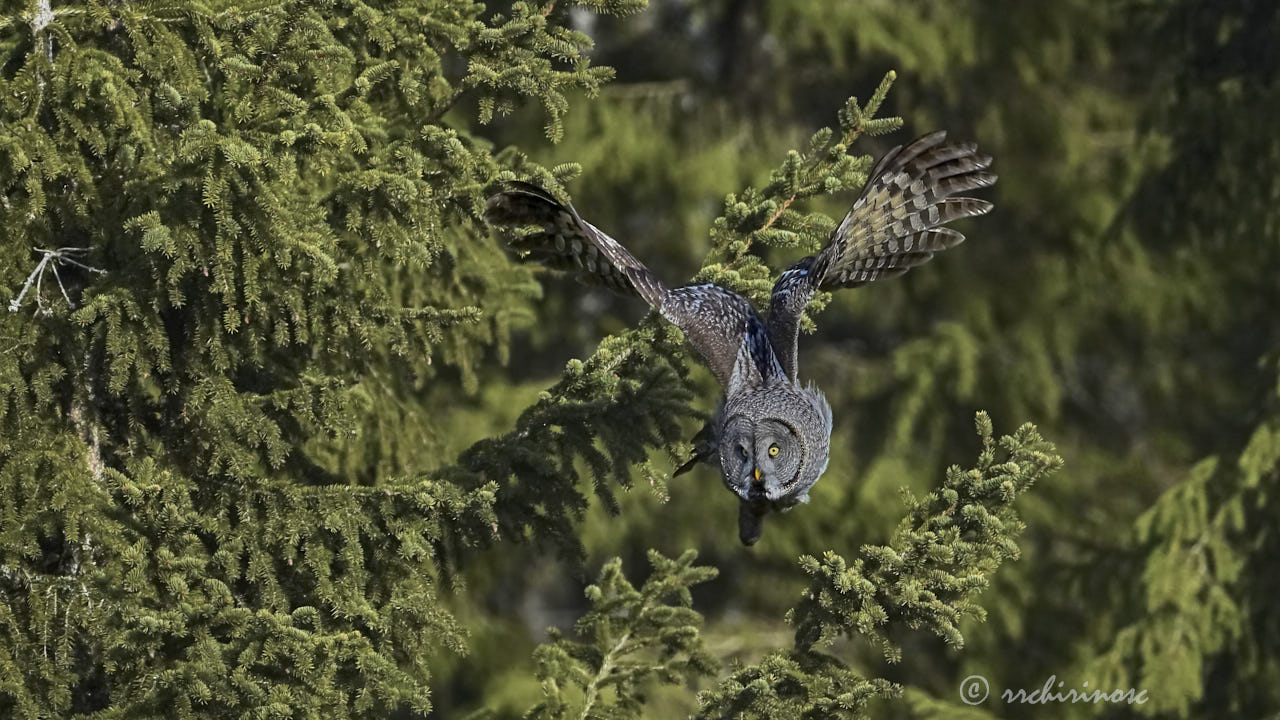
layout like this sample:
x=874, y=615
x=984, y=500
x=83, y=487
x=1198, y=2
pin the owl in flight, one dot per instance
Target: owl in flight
x=771, y=435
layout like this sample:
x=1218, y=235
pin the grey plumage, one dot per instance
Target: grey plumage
x=770, y=436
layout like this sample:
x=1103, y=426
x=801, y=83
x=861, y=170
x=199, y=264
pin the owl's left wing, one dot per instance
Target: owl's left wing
x=719, y=323
x=895, y=225
x=569, y=243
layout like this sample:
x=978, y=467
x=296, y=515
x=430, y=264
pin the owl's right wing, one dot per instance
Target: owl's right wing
x=720, y=324
x=895, y=225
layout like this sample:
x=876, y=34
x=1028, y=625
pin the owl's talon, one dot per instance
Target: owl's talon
x=687, y=466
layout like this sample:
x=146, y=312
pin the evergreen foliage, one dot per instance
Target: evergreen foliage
x=606, y=412
x=635, y=637
x=927, y=577
x=258, y=223
x=766, y=215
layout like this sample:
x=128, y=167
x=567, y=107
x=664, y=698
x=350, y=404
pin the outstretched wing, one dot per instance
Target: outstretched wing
x=896, y=224
x=567, y=242
x=720, y=324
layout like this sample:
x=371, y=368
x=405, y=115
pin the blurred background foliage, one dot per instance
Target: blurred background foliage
x=1122, y=295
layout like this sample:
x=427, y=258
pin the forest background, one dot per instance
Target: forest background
x=291, y=339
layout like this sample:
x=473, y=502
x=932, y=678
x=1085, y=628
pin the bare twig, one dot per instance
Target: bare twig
x=13, y=306
x=61, y=287
x=52, y=258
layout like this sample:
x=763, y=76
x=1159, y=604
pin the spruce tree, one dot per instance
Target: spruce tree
x=232, y=232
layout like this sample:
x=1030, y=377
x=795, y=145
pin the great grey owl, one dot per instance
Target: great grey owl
x=771, y=435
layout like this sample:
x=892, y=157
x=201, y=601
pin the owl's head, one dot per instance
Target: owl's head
x=774, y=443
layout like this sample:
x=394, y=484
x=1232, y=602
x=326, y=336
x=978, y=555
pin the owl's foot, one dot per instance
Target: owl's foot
x=704, y=449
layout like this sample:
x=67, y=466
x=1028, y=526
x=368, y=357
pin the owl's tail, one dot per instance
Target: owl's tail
x=567, y=242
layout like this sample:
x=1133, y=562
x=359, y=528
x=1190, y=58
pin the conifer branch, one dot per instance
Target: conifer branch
x=767, y=215
x=606, y=411
x=927, y=576
x=777, y=214
x=939, y=556
x=631, y=640
x=854, y=122
x=273, y=60
x=1199, y=539
x=601, y=676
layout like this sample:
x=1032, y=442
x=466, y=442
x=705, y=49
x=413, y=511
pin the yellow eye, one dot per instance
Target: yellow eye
x=743, y=452
x=773, y=451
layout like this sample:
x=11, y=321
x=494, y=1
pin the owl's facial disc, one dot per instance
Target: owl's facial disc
x=774, y=445
x=761, y=461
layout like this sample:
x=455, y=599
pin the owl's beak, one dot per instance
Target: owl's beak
x=757, y=474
